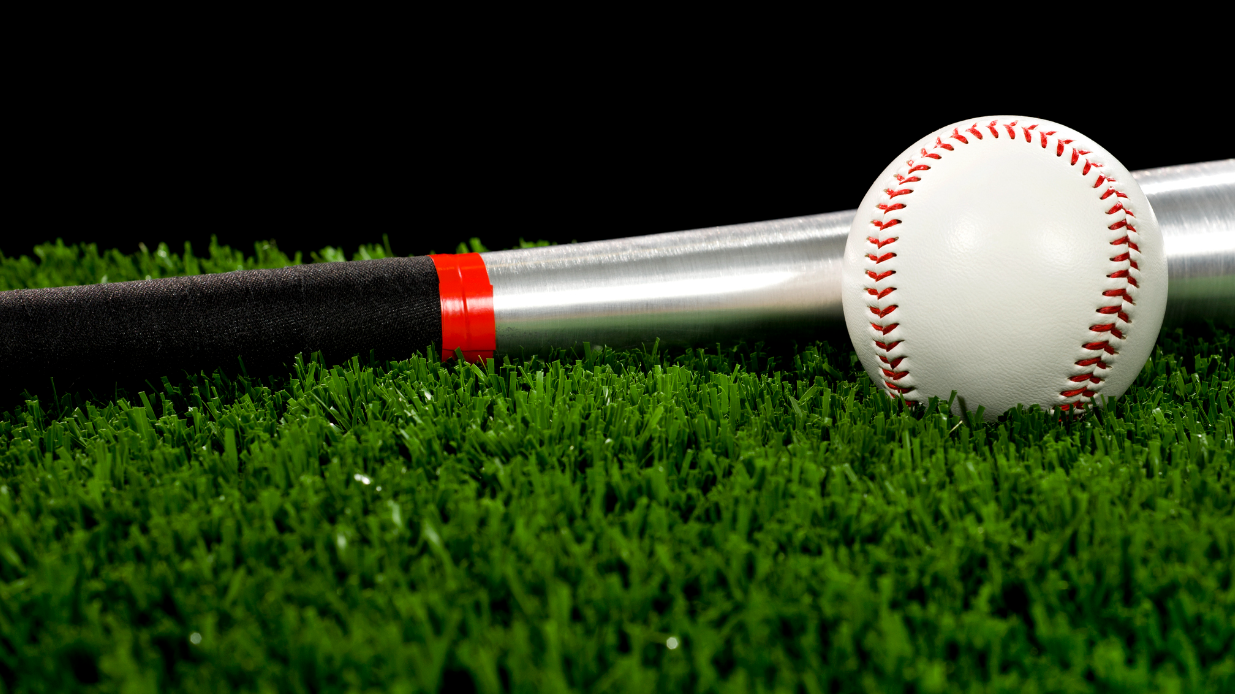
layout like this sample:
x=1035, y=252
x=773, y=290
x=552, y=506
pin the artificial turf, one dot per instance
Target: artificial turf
x=733, y=518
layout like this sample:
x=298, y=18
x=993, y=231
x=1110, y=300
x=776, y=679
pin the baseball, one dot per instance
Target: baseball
x=1009, y=259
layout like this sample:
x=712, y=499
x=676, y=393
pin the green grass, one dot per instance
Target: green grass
x=557, y=523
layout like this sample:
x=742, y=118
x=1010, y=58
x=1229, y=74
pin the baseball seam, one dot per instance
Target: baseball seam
x=1105, y=337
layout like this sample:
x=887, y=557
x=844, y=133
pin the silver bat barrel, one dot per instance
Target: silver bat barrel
x=781, y=278
x=1195, y=205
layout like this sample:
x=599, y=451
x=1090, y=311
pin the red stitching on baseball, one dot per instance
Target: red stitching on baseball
x=1122, y=295
x=1124, y=274
x=1092, y=361
x=1103, y=346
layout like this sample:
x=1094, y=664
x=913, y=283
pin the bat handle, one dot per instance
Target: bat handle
x=79, y=335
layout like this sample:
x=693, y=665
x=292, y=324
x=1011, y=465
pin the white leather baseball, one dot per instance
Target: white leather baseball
x=1009, y=259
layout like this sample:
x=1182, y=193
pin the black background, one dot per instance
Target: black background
x=320, y=142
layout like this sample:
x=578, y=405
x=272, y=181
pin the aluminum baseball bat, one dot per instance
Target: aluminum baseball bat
x=782, y=278
x=762, y=281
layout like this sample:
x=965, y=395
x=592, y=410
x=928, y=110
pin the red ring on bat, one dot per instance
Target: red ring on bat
x=467, y=306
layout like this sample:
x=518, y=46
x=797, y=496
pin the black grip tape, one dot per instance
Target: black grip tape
x=148, y=329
